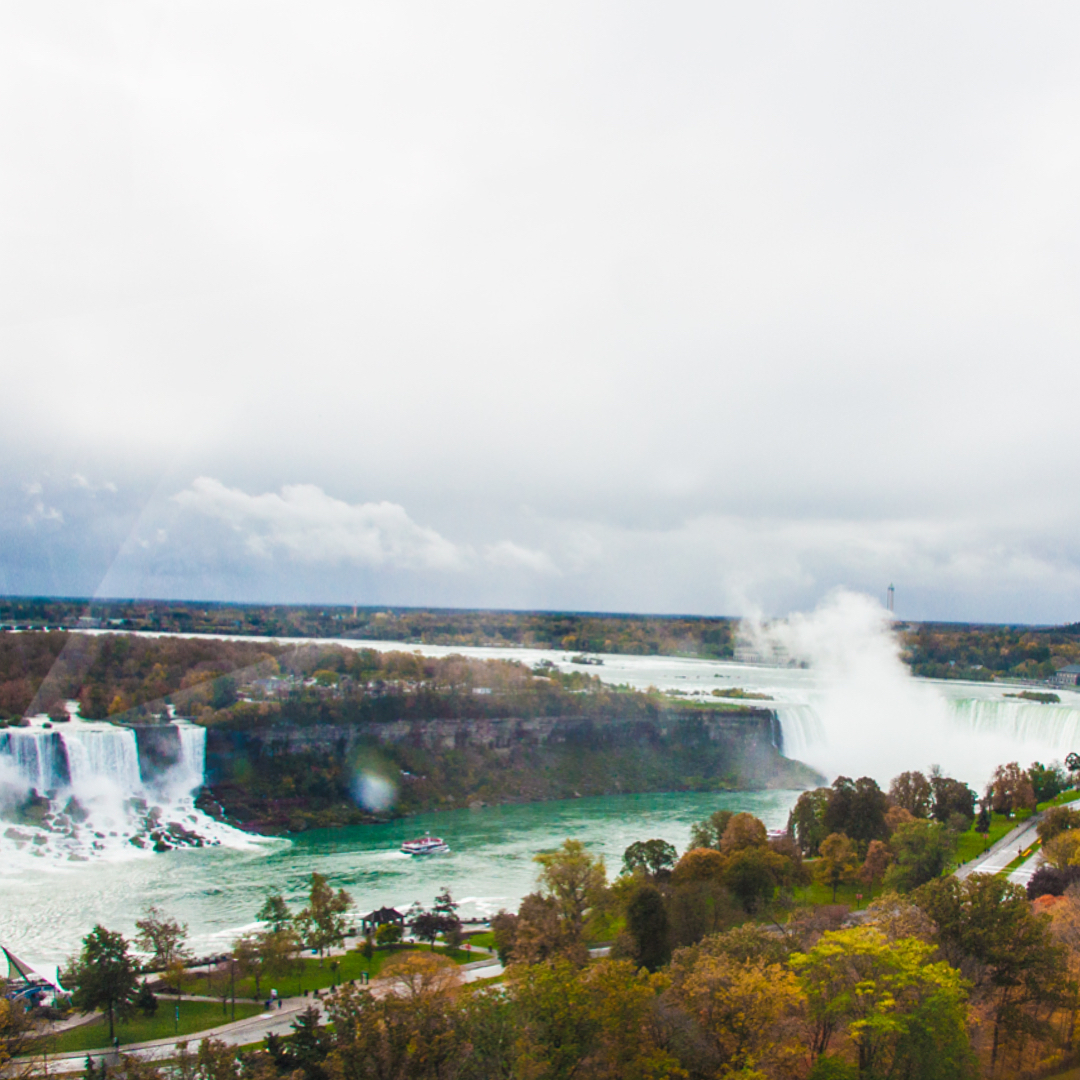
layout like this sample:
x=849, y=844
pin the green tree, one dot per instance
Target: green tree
x=104, y=976
x=1048, y=781
x=922, y=850
x=904, y=1014
x=987, y=927
x=839, y=861
x=275, y=912
x=163, y=937
x=388, y=934
x=575, y=880
x=707, y=833
x=322, y=923
x=647, y=925
x=752, y=875
x=654, y=858
x=952, y=797
x=857, y=809
x=806, y=822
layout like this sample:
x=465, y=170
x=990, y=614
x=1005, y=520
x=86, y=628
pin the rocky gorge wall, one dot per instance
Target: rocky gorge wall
x=284, y=778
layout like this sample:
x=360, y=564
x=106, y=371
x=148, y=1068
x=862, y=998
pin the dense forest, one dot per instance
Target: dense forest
x=244, y=683
x=983, y=653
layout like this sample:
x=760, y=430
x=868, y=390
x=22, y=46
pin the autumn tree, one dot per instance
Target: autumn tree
x=876, y=863
x=1057, y=820
x=987, y=929
x=1010, y=789
x=903, y=1013
x=574, y=880
x=912, y=791
x=839, y=861
x=747, y=1013
x=15, y=1034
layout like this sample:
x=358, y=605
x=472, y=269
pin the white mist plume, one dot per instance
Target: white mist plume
x=876, y=718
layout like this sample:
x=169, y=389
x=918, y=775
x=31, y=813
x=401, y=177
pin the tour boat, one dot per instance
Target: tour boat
x=425, y=845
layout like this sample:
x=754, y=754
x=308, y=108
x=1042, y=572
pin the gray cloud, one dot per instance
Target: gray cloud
x=704, y=308
x=311, y=526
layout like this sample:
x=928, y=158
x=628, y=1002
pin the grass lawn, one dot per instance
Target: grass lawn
x=316, y=976
x=818, y=894
x=194, y=1016
x=970, y=844
x=1065, y=797
x=485, y=940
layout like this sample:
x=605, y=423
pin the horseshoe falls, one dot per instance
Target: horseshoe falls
x=966, y=735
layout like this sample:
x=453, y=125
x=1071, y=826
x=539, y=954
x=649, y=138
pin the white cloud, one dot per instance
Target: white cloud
x=41, y=512
x=80, y=481
x=513, y=556
x=314, y=527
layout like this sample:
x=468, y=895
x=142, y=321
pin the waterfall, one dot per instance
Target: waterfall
x=192, y=752
x=38, y=758
x=801, y=731
x=1048, y=731
x=966, y=736
x=103, y=754
x=112, y=791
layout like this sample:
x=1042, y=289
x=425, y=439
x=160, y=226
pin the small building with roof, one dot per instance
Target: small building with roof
x=381, y=917
x=1069, y=675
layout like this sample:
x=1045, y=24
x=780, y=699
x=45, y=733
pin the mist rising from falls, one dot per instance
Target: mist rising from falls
x=868, y=716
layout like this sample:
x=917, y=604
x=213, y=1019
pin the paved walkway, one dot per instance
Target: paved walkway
x=1004, y=851
x=254, y=1029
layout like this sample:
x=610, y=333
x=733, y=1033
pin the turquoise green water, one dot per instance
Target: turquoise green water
x=44, y=914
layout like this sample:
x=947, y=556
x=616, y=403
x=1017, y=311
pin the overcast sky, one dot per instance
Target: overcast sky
x=645, y=307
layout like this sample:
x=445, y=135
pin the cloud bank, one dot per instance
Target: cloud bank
x=707, y=309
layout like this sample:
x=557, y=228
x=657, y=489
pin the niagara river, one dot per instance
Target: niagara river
x=859, y=713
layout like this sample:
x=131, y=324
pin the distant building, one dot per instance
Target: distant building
x=88, y=622
x=1067, y=676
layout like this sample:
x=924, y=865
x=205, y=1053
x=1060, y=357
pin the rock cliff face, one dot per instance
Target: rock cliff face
x=285, y=778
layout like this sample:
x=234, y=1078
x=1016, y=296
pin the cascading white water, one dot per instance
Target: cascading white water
x=192, y=752
x=1052, y=731
x=37, y=757
x=102, y=754
x=101, y=800
x=801, y=730
x=973, y=734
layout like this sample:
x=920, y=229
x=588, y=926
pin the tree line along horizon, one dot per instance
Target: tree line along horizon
x=723, y=964
x=934, y=649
